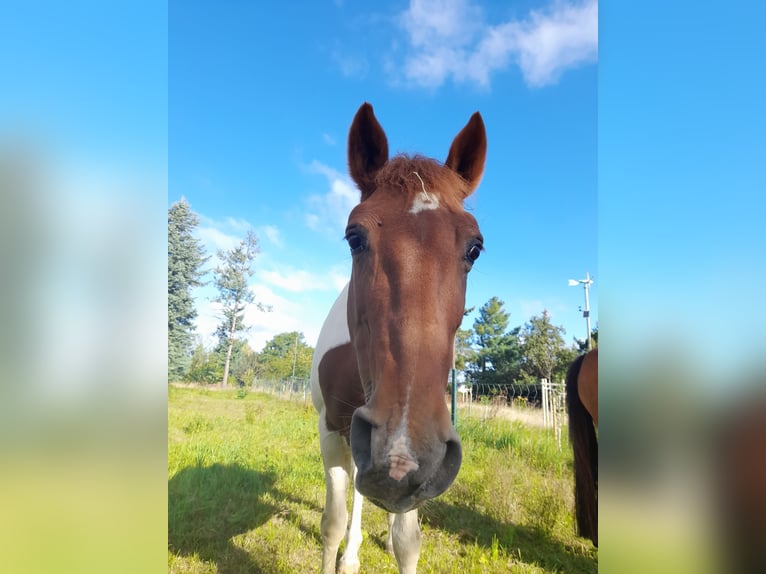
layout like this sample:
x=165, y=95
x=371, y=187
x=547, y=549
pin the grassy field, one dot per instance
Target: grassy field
x=246, y=491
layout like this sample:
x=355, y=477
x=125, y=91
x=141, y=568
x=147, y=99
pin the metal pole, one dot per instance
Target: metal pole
x=587, y=308
x=454, y=386
x=454, y=400
x=295, y=352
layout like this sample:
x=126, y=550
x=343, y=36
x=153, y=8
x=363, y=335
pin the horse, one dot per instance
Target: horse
x=739, y=463
x=582, y=408
x=385, y=350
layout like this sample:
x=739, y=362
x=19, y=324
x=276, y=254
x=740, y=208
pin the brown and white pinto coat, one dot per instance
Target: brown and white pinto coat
x=383, y=355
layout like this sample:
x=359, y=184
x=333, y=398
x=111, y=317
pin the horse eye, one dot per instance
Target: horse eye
x=473, y=252
x=355, y=243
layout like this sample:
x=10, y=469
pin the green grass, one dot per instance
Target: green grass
x=246, y=491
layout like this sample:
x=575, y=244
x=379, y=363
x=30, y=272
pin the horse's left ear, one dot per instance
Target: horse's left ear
x=468, y=152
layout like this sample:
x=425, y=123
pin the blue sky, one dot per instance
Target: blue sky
x=261, y=97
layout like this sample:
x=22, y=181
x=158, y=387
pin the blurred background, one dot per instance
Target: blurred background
x=83, y=184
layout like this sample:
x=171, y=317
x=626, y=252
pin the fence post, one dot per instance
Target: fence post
x=559, y=391
x=454, y=400
x=554, y=409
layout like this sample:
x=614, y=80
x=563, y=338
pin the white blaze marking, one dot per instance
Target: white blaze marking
x=422, y=203
x=401, y=458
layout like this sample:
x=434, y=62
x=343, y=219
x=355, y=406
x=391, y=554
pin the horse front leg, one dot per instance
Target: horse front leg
x=390, y=539
x=405, y=535
x=349, y=562
x=336, y=456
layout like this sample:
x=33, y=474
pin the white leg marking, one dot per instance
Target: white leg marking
x=406, y=537
x=390, y=539
x=336, y=456
x=349, y=562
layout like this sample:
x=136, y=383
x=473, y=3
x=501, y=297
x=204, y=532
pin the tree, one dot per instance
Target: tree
x=564, y=360
x=489, y=333
x=230, y=279
x=498, y=356
x=582, y=345
x=244, y=363
x=464, y=353
x=543, y=345
x=185, y=259
x=205, y=366
x=284, y=356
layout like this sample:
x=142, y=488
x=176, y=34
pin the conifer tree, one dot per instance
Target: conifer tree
x=185, y=259
x=234, y=294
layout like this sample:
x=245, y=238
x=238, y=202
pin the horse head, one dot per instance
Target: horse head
x=412, y=246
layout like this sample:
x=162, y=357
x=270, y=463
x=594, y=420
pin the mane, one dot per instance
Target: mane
x=438, y=179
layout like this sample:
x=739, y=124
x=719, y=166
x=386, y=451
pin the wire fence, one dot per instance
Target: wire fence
x=541, y=404
x=294, y=389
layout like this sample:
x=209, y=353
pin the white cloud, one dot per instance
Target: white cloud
x=450, y=40
x=350, y=65
x=271, y=232
x=296, y=280
x=227, y=233
x=239, y=225
x=292, y=313
x=328, y=213
x=299, y=300
x=438, y=22
x=283, y=316
x=214, y=239
x=263, y=325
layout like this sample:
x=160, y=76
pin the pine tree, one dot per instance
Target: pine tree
x=489, y=329
x=185, y=259
x=497, y=357
x=464, y=354
x=230, y=279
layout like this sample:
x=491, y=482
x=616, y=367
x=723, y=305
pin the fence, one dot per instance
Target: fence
x=297, y=389
x=554, y=407
x=541, y=404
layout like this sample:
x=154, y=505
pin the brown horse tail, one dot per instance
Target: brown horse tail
x=582, y=435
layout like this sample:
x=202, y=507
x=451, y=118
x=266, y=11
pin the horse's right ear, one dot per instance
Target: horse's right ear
x=469, y=151
x=367, y=149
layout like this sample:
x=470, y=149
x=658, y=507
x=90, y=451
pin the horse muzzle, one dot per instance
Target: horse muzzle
x=392, y=473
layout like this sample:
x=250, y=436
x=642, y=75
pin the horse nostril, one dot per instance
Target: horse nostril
x=361, y=439
x=447, y=471
x=453, y=457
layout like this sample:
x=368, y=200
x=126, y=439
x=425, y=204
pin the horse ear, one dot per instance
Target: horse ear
x=468, y=152
x=367, y=149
